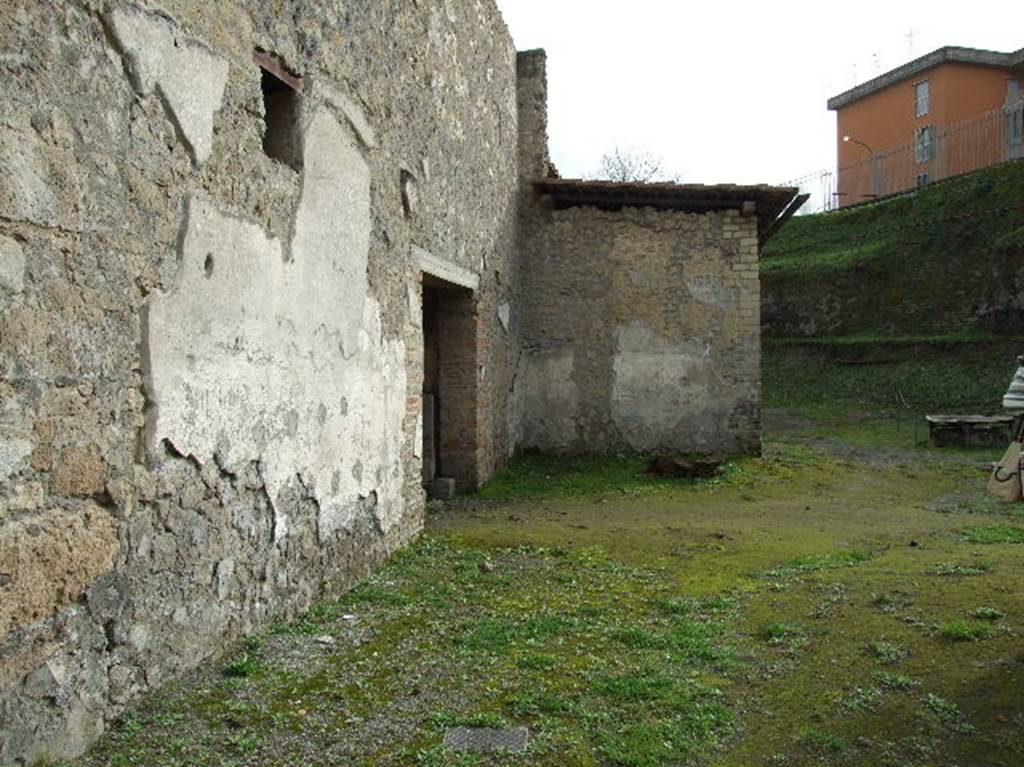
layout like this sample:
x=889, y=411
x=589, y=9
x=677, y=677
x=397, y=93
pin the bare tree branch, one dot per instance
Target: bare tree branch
x=638, y=166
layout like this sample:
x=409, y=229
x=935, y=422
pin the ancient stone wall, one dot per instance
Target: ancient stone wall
x=641, y=332
x=211, y=343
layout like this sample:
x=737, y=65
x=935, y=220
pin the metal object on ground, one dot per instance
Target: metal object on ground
x=487, y=739
x=969, y=430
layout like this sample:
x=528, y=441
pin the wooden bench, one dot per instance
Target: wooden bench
x=970, y=430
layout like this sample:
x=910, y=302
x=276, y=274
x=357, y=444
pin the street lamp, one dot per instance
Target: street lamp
x=851, y=139
x=876, y=169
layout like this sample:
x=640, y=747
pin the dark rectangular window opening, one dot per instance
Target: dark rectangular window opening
x=450, y=440
x=924, y=145
x=282, y=111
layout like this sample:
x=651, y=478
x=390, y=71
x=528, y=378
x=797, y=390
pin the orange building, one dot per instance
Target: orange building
x=952, y=111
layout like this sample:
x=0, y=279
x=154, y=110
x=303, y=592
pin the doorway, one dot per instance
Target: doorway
x=450, y=417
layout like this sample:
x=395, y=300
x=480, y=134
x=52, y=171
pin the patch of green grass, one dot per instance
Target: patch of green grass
x=532, y=476
x=371, y=593
x=861, y=699
x=896, y=682
x=537, y=662
x=638, y=638
x=248, y=661
x=491, y=635
x=439, y=756
x=953, y=569
x=674, y=605
x=820, y=740
x=446, y=719
x=638, y=743
x=872, y=391
x=987, y=613
x=835, y=594
x=888, y=652
x=781, y=632
x=701, y=641
x=717, y=603
x=535, y=703
x=243, y=742
x=995, y=534
x=961, y=630
x=644, y=685
x=819, y=562
x=884, y=601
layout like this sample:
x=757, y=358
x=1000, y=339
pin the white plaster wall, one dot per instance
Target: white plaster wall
x=661, y=387
x=549, y=399
x=188, y=76
x=252, y=357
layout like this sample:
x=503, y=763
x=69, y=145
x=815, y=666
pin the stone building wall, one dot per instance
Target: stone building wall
x=218, y=221
x=212, y=358
x=641, y=331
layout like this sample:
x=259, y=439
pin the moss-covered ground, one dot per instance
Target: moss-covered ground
x=849, y=598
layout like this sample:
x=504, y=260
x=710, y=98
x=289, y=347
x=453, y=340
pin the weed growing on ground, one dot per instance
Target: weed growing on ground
x=889, y=601
x=537, y=662
x=861, y=699
x=835, y=594
x=479, y=719
x=791, y=635
x=987, y=613
x=249, y=661
x=819, y=562
x=888, y=652
x=883, y=601
x=962, y=630
x=956, y=570
x=674, y=605
x=947, y=714
x=537, y=703
x=819, y=740
x=896, y=682
x=439, y=756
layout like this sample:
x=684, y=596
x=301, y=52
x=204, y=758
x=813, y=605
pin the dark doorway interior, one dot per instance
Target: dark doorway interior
x=449, y=388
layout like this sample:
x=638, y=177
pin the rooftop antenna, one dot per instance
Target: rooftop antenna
x=876, y=62
x=910, y=43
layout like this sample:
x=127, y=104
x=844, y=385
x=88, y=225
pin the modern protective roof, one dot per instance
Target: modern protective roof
x=947, y=55
x=771, y=204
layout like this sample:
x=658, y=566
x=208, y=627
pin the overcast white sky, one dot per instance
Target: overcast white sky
x=729, y=91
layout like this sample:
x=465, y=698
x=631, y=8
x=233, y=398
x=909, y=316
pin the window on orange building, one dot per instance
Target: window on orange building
x=1016, y=127
x=924, y=146
x=922, y=97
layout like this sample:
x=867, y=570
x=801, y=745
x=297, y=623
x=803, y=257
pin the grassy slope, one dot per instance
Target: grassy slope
x=971, y=212
x=917, y=264
x=889, y=379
